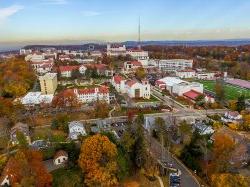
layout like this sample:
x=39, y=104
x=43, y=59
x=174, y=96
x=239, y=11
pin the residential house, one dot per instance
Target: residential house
x=131, y=66
x=76, y=128
x=61, y=157
x=232, y=117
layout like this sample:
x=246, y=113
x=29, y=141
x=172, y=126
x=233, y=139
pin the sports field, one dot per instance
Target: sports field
x=232, y=92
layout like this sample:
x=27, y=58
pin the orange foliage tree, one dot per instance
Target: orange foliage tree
x=16, y=77
x=65, y=98
x=229, y=180
x=222, y=151
x=26, y=167
x=98, y=161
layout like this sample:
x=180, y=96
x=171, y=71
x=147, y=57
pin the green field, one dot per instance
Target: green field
x=232, y=92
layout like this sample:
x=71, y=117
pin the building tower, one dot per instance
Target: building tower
x=139, y=33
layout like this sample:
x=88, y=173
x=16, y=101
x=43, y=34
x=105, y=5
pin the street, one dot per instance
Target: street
x=187, y=178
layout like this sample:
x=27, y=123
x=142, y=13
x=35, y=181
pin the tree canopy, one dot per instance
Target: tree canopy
x=98, y=161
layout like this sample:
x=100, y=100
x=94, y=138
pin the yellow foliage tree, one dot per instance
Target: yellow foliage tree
x=98, y=161
x=229, y=180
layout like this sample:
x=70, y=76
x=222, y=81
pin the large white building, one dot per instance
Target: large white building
x=89, y=95
x=172, y=64
x=205, y=75
x=177, y=86
x=139, y=55
x=116, y=50
x=184, y=74
x=133, y=88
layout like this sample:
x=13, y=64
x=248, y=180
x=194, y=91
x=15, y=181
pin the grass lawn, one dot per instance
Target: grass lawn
x=67, y=177
x=152, y=99
x=232, y=92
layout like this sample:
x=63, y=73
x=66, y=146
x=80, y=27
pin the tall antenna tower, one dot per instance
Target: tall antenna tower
x=139, y=33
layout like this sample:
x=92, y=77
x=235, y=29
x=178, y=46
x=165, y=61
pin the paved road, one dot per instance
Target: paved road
x=167, y=100
x=187, y=178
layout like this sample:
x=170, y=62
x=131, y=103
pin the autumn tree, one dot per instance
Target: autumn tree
x=101, y=109
x=16, y=77
x=219, y=91
x=229, y=180
x=98, y=161
x=64, y=99
x=26, y=168
x=140, y=73
x=240, y=105
x=185, y=131
x=22, y=141
x=222, y=150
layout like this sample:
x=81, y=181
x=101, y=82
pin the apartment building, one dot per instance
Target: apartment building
x=48, y=83
x=174, y=64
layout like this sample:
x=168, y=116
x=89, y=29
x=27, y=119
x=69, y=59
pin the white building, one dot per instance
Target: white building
x=136, y=89
x=36, y=98
x=25, y=51
x=232, y=117
x=116, y=50
x=66, y=71
x=76, y=128
x=133, y=88
x=174, y=64
x=89, y=95
x=139, y=55
x=131, y=66
x=205, y=75
x=177, y=86
x=35, y=57
x=184, y=74
x=61, y=157
x=119, y=83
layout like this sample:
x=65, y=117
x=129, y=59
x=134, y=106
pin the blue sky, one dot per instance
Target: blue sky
x=62, y=21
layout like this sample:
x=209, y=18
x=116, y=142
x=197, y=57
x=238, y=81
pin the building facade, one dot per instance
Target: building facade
x=48, y=83
x=174, y=64
x=89, y=95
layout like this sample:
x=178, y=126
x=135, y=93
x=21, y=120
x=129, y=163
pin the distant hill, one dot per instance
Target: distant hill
x=192, y=42
x=102, y=45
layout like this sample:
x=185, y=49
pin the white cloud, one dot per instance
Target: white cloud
x=90, y=13
x=9, y=11
x=55, y=2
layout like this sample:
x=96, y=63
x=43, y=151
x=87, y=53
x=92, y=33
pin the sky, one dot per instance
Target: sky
x=76, y=21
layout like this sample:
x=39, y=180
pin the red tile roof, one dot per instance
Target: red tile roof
x=130, y=83
x=60, y=153
x=67, y=68
x=118, y=79
x=158, y=82
x=135, y=50
x=192, y=94
x=102, y=89
x=136, y=63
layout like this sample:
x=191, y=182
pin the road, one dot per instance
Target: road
x=159, y=152
x=167, y=100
